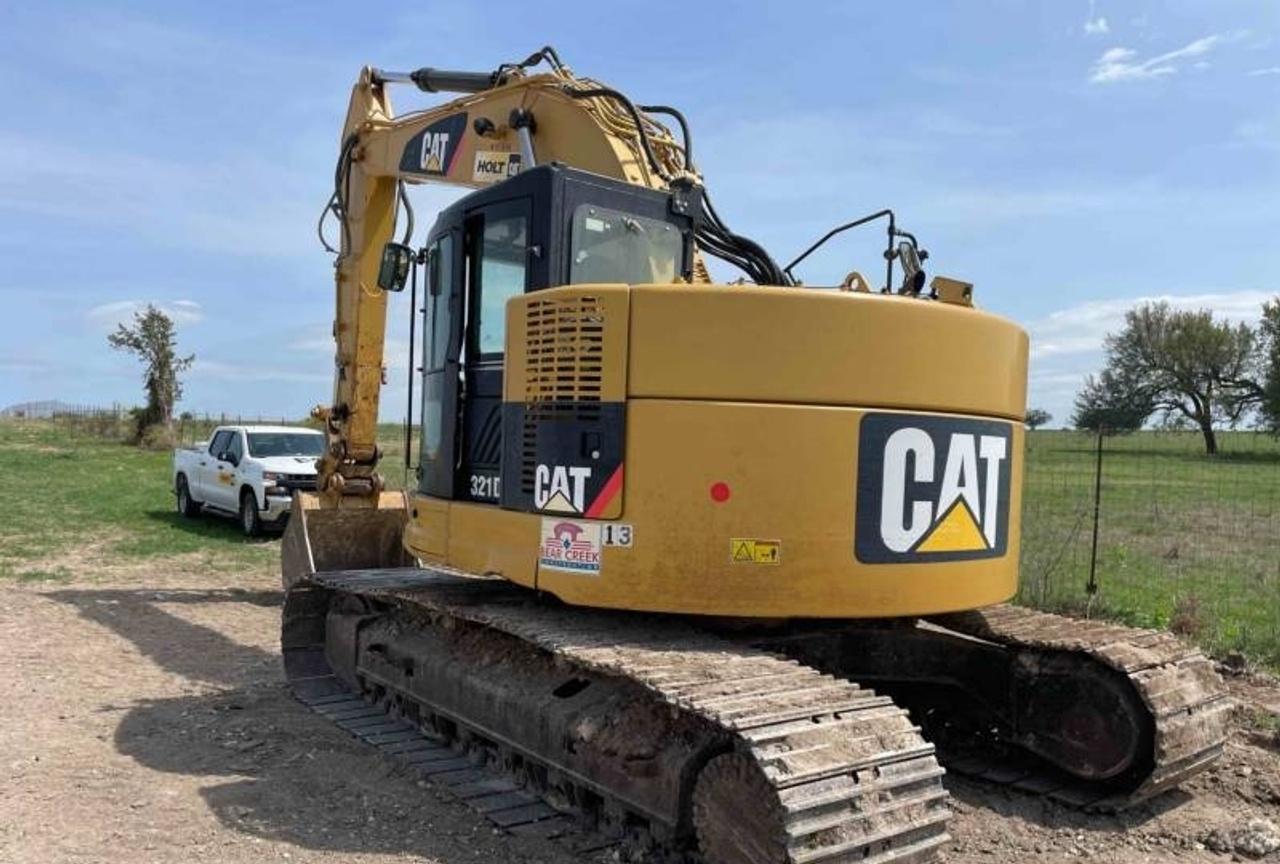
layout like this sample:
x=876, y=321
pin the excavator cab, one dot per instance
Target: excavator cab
x=546, y=227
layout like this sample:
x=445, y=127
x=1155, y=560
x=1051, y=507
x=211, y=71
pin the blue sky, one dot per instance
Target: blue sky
x=1069, y=158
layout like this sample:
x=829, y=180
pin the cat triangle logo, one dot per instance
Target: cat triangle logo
x=956, y=531
x=557, y=503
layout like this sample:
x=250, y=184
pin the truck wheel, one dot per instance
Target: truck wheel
x=250, y=521
x=187, y=506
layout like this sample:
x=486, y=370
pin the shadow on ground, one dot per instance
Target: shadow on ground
x=276, y=771
x=211, y=526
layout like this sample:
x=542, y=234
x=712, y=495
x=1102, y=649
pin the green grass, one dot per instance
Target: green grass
x=1185, y=540
x=78, y=501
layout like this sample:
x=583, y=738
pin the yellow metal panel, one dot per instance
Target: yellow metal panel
x=487, y=540
x=427, y=533
x=791, y=472
x=815, y=347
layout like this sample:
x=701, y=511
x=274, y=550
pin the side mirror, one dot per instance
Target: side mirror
x=912, y=272
x=394, y=270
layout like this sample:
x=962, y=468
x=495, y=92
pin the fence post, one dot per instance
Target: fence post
x=1092, y=588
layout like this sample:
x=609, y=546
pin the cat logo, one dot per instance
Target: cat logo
x=560, y=489
x=932, y=489
x=432, y=151
x=434, y=147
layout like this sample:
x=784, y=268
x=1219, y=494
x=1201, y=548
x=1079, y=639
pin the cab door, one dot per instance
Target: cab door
x=224, y=490
x=443, y=309
x=204, y=485
x=499, y=249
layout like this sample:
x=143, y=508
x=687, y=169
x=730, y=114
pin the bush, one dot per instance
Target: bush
x=157, y=436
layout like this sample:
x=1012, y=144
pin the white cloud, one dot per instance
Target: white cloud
x=1067, y=344
x=1095, y=24
x=1262, y=133
x=1122, y=64
x=109, y=315
x=1268, y=70
x=212, y=208
x=266, y=372
x=1082, y=328
x=313, y=344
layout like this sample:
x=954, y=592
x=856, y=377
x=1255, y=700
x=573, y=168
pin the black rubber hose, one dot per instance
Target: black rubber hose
x=610, y=93
x=684, y=129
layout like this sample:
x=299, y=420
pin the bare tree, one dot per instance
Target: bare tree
x=152, y=338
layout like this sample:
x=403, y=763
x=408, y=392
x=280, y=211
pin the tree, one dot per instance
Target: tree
x=1179, y=362
x=1269, y=350
x=1111, y=402
x=152, y=339
x=1036, y=418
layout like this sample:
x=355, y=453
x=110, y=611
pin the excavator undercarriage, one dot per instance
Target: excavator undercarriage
x=744, y=742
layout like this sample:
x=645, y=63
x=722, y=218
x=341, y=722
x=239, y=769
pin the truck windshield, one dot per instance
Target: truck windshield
x=285, y=444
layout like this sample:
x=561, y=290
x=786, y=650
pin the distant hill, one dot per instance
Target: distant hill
x=40, y=410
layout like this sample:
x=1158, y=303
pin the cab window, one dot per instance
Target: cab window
x=612, y=246
x=235, y=447
x=219, y=443
x=502, y=266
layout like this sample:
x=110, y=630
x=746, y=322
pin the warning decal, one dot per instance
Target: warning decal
x=573, y=547
x=746, y=551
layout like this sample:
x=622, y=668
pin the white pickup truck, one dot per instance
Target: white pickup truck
x=247, y=471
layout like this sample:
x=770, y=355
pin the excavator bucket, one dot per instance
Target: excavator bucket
x=322, y=538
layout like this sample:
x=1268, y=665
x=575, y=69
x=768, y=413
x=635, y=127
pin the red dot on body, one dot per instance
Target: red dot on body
x=719, y=492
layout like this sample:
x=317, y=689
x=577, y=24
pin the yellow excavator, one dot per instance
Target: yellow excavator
x=710, y=566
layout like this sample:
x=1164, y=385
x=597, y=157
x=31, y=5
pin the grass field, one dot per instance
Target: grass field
x=1185, y=541
x=79, y=501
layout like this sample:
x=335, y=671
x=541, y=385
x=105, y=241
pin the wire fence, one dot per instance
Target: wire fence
x=116, y=420
x=1184, y=541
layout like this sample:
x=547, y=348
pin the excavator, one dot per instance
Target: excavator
x=715, y=566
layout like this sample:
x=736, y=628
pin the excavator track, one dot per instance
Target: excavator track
x=703, y=739
x=1187, y=703
x=1094, y=715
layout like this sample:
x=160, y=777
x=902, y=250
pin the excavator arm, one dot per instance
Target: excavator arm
x=508, y=121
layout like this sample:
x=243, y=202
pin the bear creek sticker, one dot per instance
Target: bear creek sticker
x=569, y=546
x=931, y=488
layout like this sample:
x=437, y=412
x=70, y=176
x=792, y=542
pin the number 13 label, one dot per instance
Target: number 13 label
x=617, y=534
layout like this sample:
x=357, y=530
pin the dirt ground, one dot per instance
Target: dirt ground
x=147, y=722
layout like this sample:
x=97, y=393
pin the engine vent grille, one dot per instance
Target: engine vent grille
x=564, y=371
